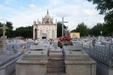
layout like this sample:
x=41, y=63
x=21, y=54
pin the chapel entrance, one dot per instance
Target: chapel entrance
x=35, y=34
x=44, y=36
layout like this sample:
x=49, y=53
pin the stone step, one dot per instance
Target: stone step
x=55, y=63
x=55, y=74
x=56, y=59
x=55, y=70
x=59, y=66
x=60, y=58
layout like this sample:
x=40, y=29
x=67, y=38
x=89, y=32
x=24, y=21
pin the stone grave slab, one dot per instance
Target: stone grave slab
x=36, y=48
x=78, y=62
x=32, y=63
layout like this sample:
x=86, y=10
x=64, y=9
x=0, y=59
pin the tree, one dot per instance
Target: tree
x=106, y=30
x=73, y=30
x=9, y=30
x=10, y=33
x=25, y=32
x=59, y=29
x=9, y=25
x=97, y=30
x=1, y=32
x=82, y=28
x=106, y=7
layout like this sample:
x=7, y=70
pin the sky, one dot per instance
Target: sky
x=24, y=12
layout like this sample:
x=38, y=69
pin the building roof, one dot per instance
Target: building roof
x=47, y=20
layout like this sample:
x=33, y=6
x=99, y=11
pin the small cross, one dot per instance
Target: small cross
x=4, y=29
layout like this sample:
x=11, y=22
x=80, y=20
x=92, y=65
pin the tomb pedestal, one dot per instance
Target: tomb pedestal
x=32, y=63
x=3, y=45
x=78, y=63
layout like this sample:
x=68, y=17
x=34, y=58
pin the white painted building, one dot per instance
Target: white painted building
x=45, y=29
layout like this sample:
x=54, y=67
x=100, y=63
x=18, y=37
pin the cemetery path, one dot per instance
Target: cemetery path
x=56, y=65
x=56, y=74
x=14, y=73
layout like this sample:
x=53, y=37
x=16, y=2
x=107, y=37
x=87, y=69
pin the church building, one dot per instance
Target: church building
x=45, y=29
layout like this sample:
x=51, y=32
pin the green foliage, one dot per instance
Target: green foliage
x=25, y=32
x=106, y=7
x=9, y=25
x=103, y=5
x=107, y=30
x=1, y=29
x=109, y=23
x=73, y=30
x=82, y=28
x=10, y=33
x=59, y=29
x=59, y=45
x=97, y=30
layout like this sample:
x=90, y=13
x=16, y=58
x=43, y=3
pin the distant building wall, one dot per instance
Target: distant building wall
x=75, y=35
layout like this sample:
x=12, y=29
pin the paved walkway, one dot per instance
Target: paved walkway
x=56, y=74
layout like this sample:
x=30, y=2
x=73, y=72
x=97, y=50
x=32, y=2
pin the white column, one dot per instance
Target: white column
x=33, y=33
x=56, y=32
x=37, y=32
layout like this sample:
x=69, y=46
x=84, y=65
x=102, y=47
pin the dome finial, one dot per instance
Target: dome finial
x=47, y=12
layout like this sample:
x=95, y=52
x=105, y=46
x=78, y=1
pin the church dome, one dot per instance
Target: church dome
x=47, y=15
x=47, y=19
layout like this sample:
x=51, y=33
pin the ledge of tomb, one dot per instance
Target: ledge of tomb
x=6, y=58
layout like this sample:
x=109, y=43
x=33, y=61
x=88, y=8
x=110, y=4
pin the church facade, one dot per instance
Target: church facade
x=45, y=29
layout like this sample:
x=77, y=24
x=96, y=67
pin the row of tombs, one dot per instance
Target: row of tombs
x=70, y=60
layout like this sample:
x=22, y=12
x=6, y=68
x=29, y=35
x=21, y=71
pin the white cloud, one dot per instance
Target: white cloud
x=73, y=13
x=91, y=12
x=66, y=11
x=32, y=6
